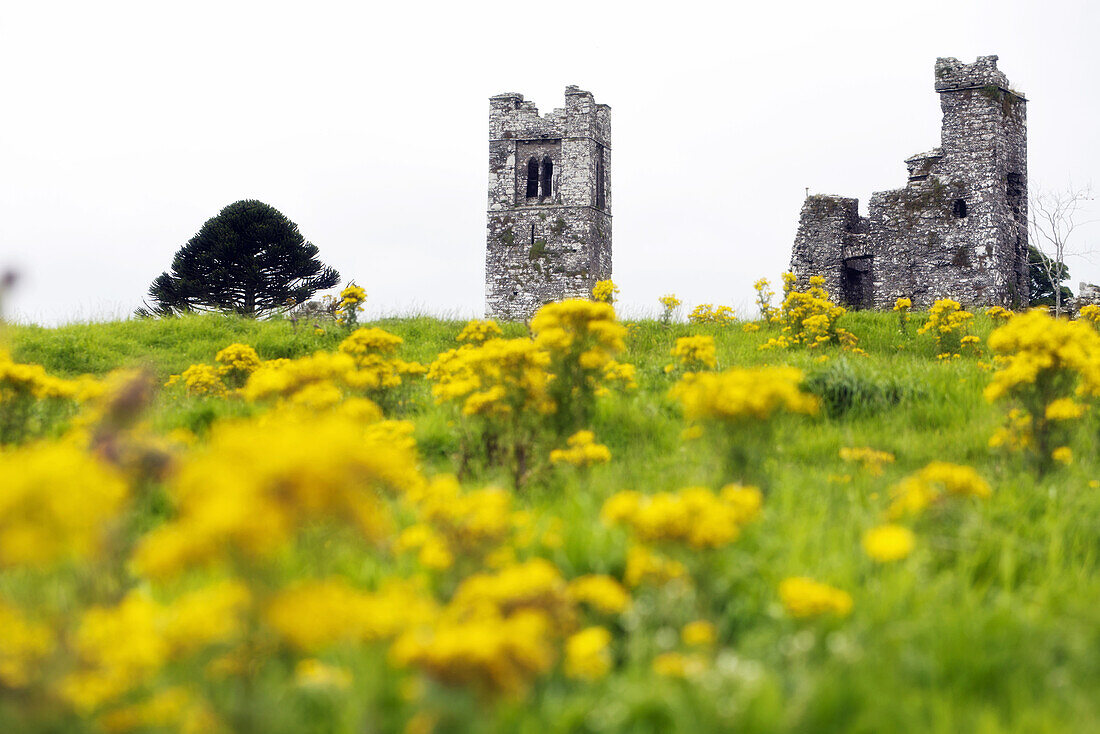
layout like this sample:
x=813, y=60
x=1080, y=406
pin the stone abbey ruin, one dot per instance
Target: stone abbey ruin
x=959, y=227
x=957, y=230
x=549, y=215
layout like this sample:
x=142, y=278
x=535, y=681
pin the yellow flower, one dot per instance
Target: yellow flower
x=871, y=459
x=237, y=361
x=1063, y=455
x=743, y=394
x=478, y=332
x=493, y=653
x=56, y=503
x=587, y=656
x=602, y=593
x=583, y=451
x=698, y=633
x=694, y=516
x=24, y=646
x=1064, y=409
x=314, y=615
x=604, y=291
x=312, y=673
x=888, y=543
x=678, y=665
x=804, y=597
x=695, y=352
x=931, y=484
x=258, y=481
x=201, y=380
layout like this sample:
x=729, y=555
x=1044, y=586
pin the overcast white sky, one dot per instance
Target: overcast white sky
x=127, y=125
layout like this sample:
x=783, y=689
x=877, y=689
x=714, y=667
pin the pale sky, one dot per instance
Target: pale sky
x=128, y=125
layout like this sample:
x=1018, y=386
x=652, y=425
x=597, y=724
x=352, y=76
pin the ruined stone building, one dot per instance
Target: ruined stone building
x=549, y=215
x=959, y=227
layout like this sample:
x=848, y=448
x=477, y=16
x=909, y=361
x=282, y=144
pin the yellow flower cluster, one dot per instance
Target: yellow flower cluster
x=1000, y=314
x=870, y=459
x=803, y=597
x=1044, y=365
x=743, y=394
x=699, y=633
x=456, y=522
x=694, y=516
x=948, y=323
x=694, y=353
x=25, y=644
x=477, y=332
x=604, y=291
x=365, y=362
x=707, y=313
x=256, y=483
x=587, y=654
x=498, y=377
x=1090, y=313
x=602, y=593
x=809, y=317
x=669, y=303
x=764, y=295
x=122, y=645
x=645, y=566
x=200, y=380
x=932, y=484
x=236, y=362
x=315, y=615
x=888, y=542
x=32, y=381
x=582, y=339
x=351, y=303
x=583, y=451
x=57, y=503
x=1036, y=349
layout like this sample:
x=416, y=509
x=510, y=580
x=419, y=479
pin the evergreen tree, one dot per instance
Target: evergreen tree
x=250, y=259
x=1044, y=272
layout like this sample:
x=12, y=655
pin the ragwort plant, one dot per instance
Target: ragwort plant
x=1048, y=371
x=738, y=407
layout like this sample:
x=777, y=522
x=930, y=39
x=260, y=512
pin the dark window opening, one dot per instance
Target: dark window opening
x=532, y=233
x=1017, y=193
x=856, y=287
x=547, y=178
x=532, y=178
x=601, y=199
x=958, y=209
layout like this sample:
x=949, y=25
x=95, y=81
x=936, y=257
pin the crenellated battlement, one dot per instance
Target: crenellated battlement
x=952, y=74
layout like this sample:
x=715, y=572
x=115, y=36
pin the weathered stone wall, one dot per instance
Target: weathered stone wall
x=958, y=228
x=551, y=246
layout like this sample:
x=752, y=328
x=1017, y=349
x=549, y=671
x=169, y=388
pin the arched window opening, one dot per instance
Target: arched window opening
x=532, y=178
x=546, y=181
x=958, y=209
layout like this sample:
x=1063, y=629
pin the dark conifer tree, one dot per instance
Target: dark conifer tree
x=250, y=259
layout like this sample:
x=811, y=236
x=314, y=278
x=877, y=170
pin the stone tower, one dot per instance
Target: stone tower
x=959, y=227
x=549, y=217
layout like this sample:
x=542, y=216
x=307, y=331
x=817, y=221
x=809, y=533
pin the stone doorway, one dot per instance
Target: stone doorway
x=856, y=288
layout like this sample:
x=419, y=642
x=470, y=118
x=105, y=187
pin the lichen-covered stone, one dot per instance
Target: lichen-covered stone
x=555, y=243
x=959, y=227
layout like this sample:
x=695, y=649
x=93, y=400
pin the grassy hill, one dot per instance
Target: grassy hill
x=991, y=623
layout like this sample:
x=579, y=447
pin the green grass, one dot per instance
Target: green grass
x=993, y=624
